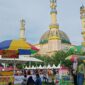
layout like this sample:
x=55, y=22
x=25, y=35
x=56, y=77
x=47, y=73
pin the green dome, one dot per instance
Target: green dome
x=63, y=36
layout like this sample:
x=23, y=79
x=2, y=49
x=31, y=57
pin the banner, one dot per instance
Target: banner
x=5, y=80
x=1, y=52
x=10, y=54
x=6, y=73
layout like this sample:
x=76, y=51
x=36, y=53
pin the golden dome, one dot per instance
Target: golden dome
x=63, y=36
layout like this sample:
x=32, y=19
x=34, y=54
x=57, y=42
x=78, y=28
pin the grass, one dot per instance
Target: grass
x=47, y=84
x=51, y=84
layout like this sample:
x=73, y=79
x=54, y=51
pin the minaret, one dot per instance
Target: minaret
x=22, y=29
x=82, y=12
x=54, y=42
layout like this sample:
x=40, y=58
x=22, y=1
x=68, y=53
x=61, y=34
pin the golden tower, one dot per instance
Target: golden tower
x=82, y=12
x=54, y=42
x=22, y=29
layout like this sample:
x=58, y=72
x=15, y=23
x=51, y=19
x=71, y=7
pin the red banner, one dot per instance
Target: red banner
x=9, y=54
x=1, y=52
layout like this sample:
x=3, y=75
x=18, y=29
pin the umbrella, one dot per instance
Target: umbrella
x=72, y=57
x=14, y=45
x=21, y=46
x=75, y=57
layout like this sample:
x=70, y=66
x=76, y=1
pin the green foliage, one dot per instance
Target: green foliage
x=67, y=63
x=1, y=64
x=59, y=56
x=56, y=58
x=20, y=66
x=46, y=59
x=9, y=64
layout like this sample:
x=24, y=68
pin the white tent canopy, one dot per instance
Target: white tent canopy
x=33, y=67
x=59, y=66
x=22, y=58
x=40, y=67
x=44, y=67
x=49, y=66
x=30, y=68
x=54, y=67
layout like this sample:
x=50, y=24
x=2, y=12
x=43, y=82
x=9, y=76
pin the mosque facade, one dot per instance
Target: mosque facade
x=55, y=39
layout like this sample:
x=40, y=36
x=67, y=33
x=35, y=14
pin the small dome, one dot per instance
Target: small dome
x=63, y=36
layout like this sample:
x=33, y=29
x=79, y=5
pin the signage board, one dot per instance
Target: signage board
x=5, y=80
x=10, y=54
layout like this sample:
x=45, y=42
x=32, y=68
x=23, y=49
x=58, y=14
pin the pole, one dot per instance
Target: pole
x=30, y=62
x=14, y=66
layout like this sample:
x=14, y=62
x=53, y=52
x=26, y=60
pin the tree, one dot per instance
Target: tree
x=67, y=63
x=20, y=66
x=59, y=56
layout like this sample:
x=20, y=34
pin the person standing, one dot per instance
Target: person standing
x=24, y=82
x=38, y=80
x=73, y=70
x=81, y=72
x=30, y=81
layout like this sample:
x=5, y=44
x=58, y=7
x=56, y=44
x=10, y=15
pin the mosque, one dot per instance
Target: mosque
x=55, y=39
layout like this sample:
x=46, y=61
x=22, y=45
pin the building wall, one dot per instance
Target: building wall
x=65, y=46
x=44, y=49
x=54, y=45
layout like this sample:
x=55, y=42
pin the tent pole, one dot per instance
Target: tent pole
x=29, y=63
x=14, y=66
x=4, y=64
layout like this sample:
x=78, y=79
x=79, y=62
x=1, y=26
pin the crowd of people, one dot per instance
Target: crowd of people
x=45, y=76
x=77, y=72
x=30, y=81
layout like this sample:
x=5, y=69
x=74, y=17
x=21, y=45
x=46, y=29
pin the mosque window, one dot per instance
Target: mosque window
x=51, y=33
x=56, y=33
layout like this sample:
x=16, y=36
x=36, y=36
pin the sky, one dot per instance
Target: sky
x=37, y=17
